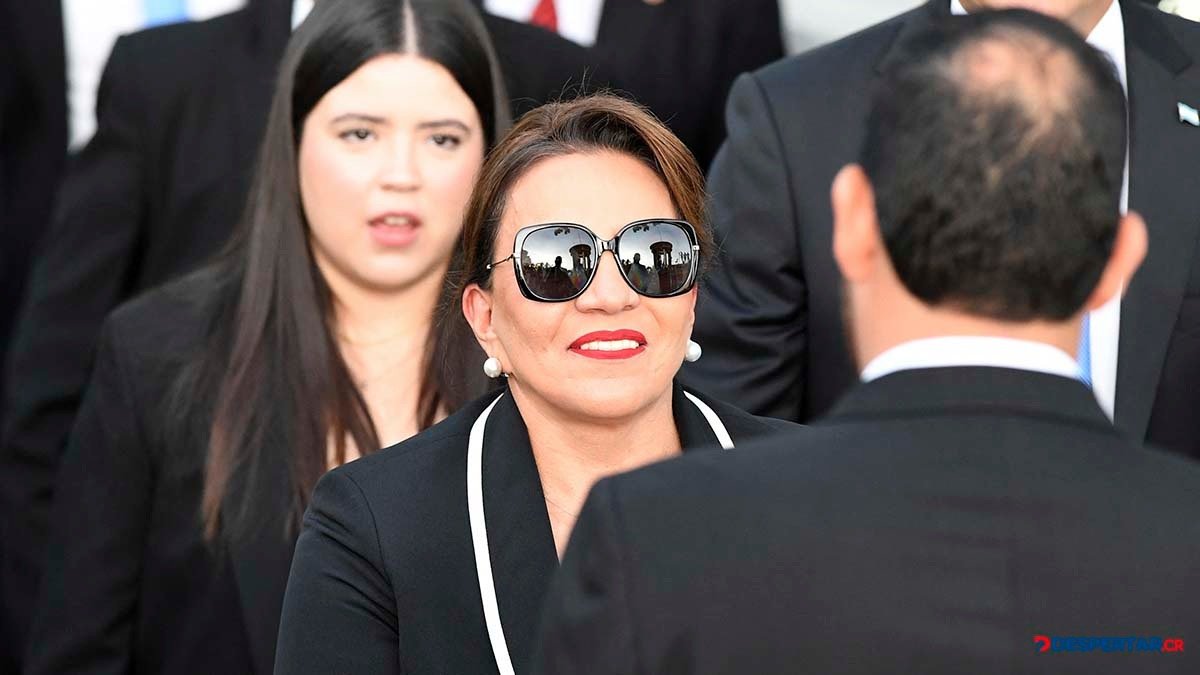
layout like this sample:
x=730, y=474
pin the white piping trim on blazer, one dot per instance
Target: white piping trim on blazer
x=483, y=558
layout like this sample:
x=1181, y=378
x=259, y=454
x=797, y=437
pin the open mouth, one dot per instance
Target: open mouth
x=621, y=344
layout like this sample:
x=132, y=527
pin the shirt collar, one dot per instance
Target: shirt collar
x=1108, y=36
x=301, y=8
x=965, y=351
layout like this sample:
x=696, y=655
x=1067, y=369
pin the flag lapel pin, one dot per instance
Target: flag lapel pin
x=1188, y=114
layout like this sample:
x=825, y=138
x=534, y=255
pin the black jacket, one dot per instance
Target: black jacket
x=679, y=58
x=384, y=579
x=33, y=139
x=770, y=318
x=157, y=191
x=933, y=523
x=130, y=584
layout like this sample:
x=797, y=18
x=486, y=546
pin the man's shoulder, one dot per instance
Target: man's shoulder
x=174, y=51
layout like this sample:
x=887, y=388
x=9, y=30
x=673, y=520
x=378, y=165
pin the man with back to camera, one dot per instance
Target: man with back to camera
x=968, y=503
x=770, y=319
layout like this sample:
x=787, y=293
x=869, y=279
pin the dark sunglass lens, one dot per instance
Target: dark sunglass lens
x=557, y=261
x=657, y=257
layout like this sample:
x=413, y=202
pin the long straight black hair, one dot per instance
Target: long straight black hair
x=271, y=390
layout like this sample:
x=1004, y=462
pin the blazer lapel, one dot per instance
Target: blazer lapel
x=1163, y=184
x=262, y=558
x=520, y=540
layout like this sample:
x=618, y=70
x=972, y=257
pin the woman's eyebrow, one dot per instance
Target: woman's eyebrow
x=361, y=117
x=449, y=122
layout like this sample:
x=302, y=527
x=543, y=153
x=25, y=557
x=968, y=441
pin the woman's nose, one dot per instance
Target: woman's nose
x=608, y=291
x=401, y=168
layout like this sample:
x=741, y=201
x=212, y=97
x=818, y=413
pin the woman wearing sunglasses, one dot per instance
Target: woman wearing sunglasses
x=585, y=238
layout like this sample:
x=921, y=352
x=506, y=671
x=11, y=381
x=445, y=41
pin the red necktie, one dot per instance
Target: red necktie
x=545, y=16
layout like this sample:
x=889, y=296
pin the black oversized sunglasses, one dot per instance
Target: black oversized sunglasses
x=556, y=262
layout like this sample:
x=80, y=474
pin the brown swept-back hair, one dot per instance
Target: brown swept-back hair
x=271, y=388
x=591, y=124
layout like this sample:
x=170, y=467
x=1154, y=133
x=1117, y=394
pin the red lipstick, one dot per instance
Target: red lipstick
x=609, y=344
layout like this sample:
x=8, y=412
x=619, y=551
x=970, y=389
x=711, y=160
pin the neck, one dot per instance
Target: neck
x=1084, y=19
x=365, y=318
x=573, y=452
x=934, y=322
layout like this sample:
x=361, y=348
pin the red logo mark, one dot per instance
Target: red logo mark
x=1173, y=645
x=1042, y=642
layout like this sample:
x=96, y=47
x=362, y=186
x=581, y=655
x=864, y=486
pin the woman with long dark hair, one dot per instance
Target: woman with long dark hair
x=219, y=400
x=584, y=241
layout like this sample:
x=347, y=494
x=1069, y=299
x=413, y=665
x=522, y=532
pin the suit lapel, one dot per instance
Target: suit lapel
x=1163, y=186
x=520, y=540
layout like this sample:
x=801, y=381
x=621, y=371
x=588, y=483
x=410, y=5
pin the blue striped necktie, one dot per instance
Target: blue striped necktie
x=159, y=12
x=1085, y=351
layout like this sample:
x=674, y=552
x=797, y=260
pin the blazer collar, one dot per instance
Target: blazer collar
x=933, y=391
x=912, y=23
x=520, y=540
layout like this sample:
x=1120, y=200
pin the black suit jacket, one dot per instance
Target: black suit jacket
x=130, y=584
x=154, y=194
x=384, y=578
x=680, y=57
x=33, y=139
x=933, y=523
x=770, y=318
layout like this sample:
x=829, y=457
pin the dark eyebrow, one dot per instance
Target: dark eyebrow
x=360, y=117
x=433, y=124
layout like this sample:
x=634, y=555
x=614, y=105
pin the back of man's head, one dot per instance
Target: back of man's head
x=996, y=149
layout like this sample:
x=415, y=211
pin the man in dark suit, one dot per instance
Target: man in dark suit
x=770, y=319
x=153, y=195
x=678, y=57
x=969, y=503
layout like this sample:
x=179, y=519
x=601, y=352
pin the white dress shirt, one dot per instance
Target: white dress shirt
x=968, y=351
x=1105, y=323
x=578, y=20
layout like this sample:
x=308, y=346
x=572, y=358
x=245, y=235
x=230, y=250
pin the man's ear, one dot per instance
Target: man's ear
x=856, y=238
x=1129, y=249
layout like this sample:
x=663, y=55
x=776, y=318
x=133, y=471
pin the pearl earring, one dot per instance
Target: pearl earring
x=693, y=352
x=491, y=367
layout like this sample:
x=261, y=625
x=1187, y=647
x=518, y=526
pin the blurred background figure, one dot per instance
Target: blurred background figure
x=677, y=57
x=51, y=55
x=219, y=399
x=812, y=23
x=153, y=194
x=771, y=321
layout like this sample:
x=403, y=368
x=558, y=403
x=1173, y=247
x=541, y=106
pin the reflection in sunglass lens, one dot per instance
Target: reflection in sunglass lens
x=656, y=257
x=556, y=261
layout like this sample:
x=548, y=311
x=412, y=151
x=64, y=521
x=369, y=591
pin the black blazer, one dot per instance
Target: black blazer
x=680, y=57
x=384, y=578
x=933, y=523
x=154, y=194
x=130, y=585
x=770, y=316
x=33, y=139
